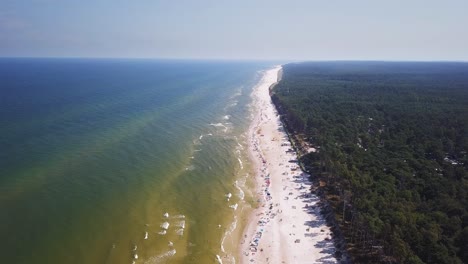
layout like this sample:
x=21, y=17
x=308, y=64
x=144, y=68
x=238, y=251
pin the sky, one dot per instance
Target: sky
x=239, y=29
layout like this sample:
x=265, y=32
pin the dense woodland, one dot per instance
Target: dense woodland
x=392, y=140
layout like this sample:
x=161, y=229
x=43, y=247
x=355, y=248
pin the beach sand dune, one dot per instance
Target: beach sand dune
x=287, y=226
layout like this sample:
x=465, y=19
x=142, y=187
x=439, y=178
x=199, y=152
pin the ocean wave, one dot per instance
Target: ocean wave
x=228, y=232
x=162, y=257
x=218, y=259
x=240, y=162
x=202, y=136
x=179, y=216
x=225, y=126
x=180, y=232
x=181, y=224
x=241, y=192
x=165, y=225
x=217, y=124
x=239, y=146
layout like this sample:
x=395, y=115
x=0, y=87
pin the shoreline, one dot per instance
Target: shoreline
x=286, y=226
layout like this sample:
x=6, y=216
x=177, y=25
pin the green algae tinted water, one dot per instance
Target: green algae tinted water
x=94, y=153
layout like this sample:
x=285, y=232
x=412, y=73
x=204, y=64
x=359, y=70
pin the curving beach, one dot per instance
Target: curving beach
x=287, y=226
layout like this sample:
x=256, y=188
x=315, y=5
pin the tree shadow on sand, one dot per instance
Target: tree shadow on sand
x=312, y=206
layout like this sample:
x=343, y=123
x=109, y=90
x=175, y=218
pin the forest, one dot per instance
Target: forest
x=391, y=159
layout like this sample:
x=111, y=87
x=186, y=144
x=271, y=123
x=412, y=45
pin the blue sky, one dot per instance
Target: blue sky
x=241, y=29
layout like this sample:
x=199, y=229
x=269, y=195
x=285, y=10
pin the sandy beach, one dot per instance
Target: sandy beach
x=287, y=226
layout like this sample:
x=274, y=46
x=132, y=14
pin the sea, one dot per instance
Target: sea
x=124, y=160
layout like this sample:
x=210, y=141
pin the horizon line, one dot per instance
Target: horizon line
x=232, y=59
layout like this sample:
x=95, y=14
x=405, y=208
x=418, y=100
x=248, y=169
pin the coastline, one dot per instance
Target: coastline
x=286, y=226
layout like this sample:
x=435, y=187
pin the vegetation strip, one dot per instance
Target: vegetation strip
x=391, y=141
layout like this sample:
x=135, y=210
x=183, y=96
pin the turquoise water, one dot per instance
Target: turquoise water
x=95, y=152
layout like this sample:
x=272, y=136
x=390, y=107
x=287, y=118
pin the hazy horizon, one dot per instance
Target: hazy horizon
x=278, y=61
x=243, y=30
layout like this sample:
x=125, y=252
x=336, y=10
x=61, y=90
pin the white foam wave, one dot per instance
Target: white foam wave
x=203, y=135
x=226, y=234
x=241, y=192
x=240, y=162
x=165, y=225
x=221, y=125
x=179, y=216
x=217, y=124
x=180, y=231
x=233, y=226
x=239, y=146
x=181, y=224
x=161, y=258
x=218, y=258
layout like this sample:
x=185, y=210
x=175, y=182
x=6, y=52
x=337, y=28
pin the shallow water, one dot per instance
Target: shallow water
x=95, y=152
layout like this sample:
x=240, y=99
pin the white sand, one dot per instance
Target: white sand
x=287, y=227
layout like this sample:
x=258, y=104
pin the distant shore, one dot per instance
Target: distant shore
x=287, y=226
